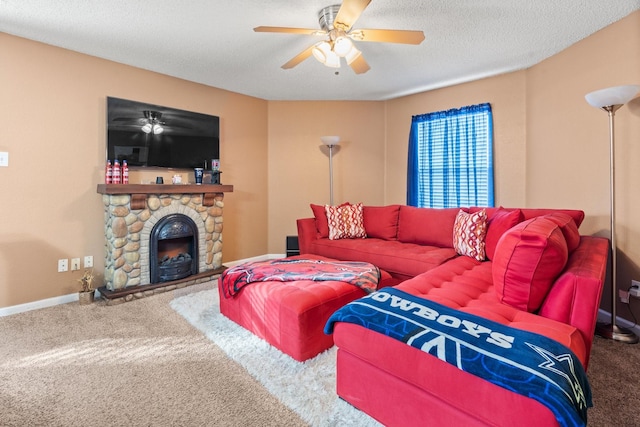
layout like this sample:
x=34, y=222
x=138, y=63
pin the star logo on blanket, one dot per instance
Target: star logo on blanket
x=562, y=364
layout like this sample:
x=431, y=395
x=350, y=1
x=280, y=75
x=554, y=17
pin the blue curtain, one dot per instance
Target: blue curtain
x=450, y=160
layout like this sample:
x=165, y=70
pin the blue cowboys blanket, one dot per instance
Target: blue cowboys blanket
x=521, y=361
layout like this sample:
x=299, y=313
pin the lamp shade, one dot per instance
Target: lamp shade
x=342, y=45
x=330, y=140
x=332, y=60
x=320, y=51
x=618, y=95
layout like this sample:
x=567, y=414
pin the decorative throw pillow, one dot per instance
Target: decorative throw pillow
x=469, y=231
x=345, y=221
x=527, y=261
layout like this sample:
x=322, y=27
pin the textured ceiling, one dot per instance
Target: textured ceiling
x=213, y=42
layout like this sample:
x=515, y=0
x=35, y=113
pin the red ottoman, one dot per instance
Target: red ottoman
x=291, y=315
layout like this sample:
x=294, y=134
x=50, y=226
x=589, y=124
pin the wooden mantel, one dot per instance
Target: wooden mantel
x=139, y=192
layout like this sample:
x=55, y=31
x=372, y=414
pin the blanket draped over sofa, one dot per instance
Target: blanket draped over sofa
x=527, y=363
x=361, y=274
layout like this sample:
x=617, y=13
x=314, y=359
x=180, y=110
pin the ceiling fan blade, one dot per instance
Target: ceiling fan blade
x=289, y=30
x=388, y=36
x=349, y=13
x=359, y=65
x=299, y=58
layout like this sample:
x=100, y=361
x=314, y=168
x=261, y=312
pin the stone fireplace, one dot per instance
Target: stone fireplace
x=160, y=237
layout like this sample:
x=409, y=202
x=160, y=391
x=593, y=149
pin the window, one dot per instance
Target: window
x=450, y=158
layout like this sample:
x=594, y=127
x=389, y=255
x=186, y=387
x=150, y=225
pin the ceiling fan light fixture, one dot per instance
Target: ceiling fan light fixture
x=342, y=46
x=336, y=22
x=320, y=51
x=157, y=129
x=332, y=60
x=146, y=128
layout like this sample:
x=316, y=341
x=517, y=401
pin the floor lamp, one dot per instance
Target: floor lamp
x=610, y=100
x=330, y=141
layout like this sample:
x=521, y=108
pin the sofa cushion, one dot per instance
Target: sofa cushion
x=321, y=220
x=381, y=222
x=498, y=223
x=426, y=226
x=528, y=213
x=577, y=215
x=568, y=227
x=469, y=232
x=527, y=260
x=345, y=221
x=467, y=285
x=401, y=260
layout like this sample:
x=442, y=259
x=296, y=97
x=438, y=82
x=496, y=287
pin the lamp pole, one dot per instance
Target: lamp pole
x=610, y=100
x=330, y=174
x=614, y=330
x=330, y=142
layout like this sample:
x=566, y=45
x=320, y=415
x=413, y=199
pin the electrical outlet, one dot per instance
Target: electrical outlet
x=4, y=158
x=635, y=291
x=88, y=261
x=75, y=264
x=624, y=296
x=63, y=265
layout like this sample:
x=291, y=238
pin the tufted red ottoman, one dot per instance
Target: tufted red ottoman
x=291, y=315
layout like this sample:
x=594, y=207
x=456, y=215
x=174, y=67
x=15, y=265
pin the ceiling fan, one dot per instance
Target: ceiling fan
x=336, y=23
x=151, y=123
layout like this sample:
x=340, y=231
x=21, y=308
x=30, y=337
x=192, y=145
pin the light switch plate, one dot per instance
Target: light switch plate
x=4, y=158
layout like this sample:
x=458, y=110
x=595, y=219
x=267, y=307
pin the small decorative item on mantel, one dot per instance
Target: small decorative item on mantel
x=86, y=293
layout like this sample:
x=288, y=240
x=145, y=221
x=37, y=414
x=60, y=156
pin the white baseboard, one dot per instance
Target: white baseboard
x=65, y=299
x=605, y=316
x=35, y=305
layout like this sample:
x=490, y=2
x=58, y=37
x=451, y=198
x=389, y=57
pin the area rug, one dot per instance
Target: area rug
x=308, y=388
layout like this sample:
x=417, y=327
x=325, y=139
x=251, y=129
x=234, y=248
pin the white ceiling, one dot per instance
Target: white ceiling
x=213, y=42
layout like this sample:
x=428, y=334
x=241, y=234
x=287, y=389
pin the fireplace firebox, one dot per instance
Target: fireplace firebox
x=173, y=249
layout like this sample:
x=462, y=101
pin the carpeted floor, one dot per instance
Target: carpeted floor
x=135, y=364
x=614, y=375
x=308, y=388
x=142, y=364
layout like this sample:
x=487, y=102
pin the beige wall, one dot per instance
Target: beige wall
x=551, y=150
x=299, y=163
x=568, y=140
x=52, y=123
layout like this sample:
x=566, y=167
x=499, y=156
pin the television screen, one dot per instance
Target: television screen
x=147, y=135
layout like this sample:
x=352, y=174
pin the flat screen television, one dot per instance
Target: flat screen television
x=147, y=135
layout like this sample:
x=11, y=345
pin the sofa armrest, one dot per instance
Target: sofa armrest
x=307, y=233
x=574, y=298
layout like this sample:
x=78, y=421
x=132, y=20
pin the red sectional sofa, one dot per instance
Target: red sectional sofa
x=539, y=274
